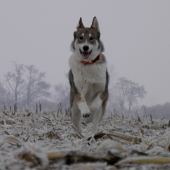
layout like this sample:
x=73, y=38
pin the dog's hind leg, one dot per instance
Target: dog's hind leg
x=96, y=120
x=76, y=117
x=98, y=109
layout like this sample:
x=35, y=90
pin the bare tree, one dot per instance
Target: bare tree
x=36, y=87
x=122, y=87
x=128, y=92
x=3, y=93
x=63, y=93
x=134, y=93
x=15, y=81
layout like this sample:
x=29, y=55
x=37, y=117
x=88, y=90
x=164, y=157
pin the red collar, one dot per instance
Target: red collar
x=92, y=61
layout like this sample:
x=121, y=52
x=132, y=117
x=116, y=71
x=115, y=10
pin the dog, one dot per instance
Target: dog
x=88, y=76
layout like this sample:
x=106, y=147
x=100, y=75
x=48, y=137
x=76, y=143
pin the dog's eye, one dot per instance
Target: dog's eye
x=91, y=38
x=81, y=38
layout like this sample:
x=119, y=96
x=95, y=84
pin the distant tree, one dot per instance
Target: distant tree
x=122, y=87
x=36, y=87
x=15, y=81
x=159, y=110
x=128, y=92
x=63, y=93
x=3, y=93
x=134, y=93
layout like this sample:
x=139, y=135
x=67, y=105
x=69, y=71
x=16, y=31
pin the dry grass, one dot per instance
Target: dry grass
x=48, y=140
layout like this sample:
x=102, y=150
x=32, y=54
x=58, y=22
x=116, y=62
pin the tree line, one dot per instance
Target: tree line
x=25, y=85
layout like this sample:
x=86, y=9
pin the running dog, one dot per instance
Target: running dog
x=88, y=76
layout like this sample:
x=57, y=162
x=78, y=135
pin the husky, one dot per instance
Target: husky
x=88, y=76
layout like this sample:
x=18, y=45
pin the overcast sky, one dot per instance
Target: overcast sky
x=136, y=35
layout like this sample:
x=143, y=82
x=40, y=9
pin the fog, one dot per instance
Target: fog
x=135, y=35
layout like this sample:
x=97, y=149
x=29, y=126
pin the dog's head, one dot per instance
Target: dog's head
x=86, y=44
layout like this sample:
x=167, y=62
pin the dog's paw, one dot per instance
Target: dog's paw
x=86, y=115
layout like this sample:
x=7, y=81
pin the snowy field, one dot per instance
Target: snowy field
x=48, y=140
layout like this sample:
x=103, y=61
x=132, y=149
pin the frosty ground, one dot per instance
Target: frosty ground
x=48, y=140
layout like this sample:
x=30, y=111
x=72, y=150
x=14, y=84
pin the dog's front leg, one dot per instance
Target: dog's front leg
x=82, y=105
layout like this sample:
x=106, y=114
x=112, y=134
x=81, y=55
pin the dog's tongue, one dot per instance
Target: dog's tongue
x=85, y=54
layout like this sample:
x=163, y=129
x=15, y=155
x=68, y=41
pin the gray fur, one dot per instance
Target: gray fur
x=95, y=33
x=73, y=89
x=95, y=91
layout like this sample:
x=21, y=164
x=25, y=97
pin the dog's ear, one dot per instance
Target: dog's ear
x=74, y=34
x=80, y=24
x=95, y=24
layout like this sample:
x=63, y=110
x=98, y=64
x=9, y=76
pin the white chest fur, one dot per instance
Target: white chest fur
x=95, y=73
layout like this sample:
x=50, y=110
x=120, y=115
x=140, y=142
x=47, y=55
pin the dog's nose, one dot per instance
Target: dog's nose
x=85, y=48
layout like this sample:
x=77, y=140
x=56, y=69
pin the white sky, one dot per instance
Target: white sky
x=136, y=35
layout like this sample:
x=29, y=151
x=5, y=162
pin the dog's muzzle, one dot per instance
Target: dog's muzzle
x=85, y=54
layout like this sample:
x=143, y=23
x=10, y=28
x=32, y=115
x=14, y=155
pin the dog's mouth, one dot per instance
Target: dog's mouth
x=85, y=54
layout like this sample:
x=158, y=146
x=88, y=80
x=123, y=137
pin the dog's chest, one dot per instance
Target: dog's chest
x=88, y=77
